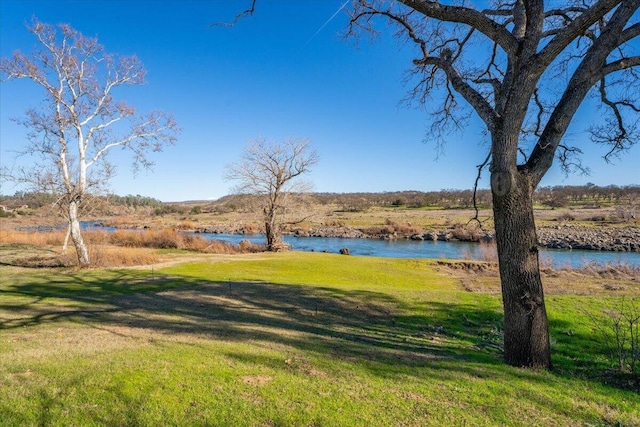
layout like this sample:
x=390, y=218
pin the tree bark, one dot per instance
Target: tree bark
x=526, y=327
x=270, y=235
x=76, y=235
x=65, y=245
x=271, y=229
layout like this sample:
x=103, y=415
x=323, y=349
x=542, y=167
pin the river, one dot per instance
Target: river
x=405, y=248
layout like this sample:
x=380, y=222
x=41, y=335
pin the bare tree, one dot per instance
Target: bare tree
x=524, y=67
x=80, y=121
x=272, y=171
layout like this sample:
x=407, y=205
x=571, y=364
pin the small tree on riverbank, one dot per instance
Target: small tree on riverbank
x=80, y=120
x=272, y=170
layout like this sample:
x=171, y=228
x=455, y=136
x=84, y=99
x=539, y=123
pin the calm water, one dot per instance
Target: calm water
x=420, y=249
x=427, y=249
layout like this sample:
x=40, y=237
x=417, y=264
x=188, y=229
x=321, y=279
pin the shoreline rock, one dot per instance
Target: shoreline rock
x=611, y=239
x=594, y=239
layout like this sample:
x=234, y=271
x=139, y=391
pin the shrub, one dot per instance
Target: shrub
x=470, y=233
x=619, y=327
x=625, y=212
x=489, y=251
x=248, y=247
x=125, y=238
x=566, y=217
x=555, y=202
x=391, y=228
x=163, y=239
x=186, y=225
x=249, y=228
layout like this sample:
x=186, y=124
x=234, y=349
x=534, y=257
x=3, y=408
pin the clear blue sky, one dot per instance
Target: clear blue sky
x=267, y=76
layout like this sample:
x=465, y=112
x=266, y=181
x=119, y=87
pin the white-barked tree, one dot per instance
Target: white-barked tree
x=80, y=121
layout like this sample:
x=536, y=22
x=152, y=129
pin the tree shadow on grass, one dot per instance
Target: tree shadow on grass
x=343, y=324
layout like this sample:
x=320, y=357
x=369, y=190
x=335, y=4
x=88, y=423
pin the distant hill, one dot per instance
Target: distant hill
x=556, y=196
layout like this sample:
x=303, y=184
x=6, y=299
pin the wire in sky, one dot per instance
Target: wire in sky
x=326, y=23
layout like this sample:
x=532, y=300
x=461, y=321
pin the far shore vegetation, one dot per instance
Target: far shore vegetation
x=589, y=204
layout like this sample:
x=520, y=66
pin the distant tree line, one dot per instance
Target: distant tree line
x=550, y=196
x=447, y=199
x=136, y=201
x=565, y=195
x=37, y=200
x=33, y=200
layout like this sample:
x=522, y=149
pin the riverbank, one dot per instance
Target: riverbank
x=625, y=239
x=585, y=229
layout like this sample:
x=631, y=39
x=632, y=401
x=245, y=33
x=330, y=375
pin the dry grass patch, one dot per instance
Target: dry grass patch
x=112, y=256
x=32, y=256
x=48, y=238
x=592, y=279
x=107, y=249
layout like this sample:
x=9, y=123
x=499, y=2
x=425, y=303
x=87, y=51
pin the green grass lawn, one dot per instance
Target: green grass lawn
x=293, y=339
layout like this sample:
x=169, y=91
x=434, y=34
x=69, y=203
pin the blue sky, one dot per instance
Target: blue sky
x=267, y=76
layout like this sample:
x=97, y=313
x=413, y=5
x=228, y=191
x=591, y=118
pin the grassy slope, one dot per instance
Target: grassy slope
x=285, y=339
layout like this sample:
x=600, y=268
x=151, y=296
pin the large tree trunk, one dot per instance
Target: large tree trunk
x=76, y=235
x=526, y=328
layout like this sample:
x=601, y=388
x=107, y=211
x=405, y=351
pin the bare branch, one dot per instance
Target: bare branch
x=477, y=101
x=569, y=33
x=621, y=64
x=246, y=12
x=480, y=167
x=272, y=170
x=569, y=159
x=590, y=70
x=471, y=17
